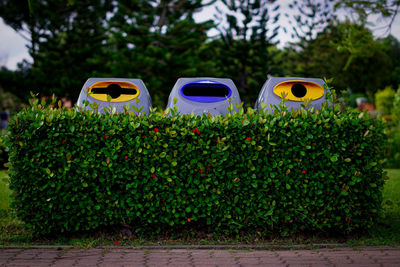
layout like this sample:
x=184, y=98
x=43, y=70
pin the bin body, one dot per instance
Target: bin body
x=119, y=91
x=297, y=90
x=204, y=95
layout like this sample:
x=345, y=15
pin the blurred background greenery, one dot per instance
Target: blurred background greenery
x=160, y=40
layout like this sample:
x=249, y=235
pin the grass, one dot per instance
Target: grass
x=4, y=191
x=11, y=229
x=385, y=232
x=391, y=193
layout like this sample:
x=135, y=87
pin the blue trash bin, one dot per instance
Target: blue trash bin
x=204, y=95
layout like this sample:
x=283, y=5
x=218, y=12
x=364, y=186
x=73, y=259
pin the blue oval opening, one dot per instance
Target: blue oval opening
x=206, y=91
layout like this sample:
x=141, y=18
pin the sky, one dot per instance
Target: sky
x=13, y=48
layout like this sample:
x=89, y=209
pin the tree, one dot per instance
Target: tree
x=384, y=9
x=366, y=73
x=310, y=18
x=65, y=42
x=11, y=81
x=245, y=48
x=158, y=41
x=392, y=48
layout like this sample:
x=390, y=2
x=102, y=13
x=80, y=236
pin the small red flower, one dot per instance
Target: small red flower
x=117, y=243
x=153, y=175
x=189, y=220
x=377, y=151
x=348, y=220
x=303, y=171
x=196, y=131
x=156, y=130
x=63, y=141
x=201, y=171
x=105, y=136
x=126, y=157
x=248, y=138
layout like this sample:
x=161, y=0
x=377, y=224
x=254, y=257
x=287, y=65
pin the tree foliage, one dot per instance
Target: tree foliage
x=65, y=42
x=368, y=70
x=160, y=41
x=245, y=48
x=384, y=9
x=392, y=49
x=310, y=18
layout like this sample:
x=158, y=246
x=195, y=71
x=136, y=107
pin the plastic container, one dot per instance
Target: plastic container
x=296, y=91
x=204, y=95
x=115, y=93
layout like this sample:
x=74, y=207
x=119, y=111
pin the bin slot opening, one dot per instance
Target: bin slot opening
x=206, y=91
x=299, y=90
x=114, y=90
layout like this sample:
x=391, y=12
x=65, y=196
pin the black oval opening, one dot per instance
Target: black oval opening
x=114, y=90
x=206, y=90
x=299, y=90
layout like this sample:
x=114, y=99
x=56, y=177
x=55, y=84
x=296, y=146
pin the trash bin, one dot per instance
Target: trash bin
x=116, y=92
x=204, y=95
x=297, y=90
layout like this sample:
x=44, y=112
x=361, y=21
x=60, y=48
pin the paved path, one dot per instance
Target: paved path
x=368, y=256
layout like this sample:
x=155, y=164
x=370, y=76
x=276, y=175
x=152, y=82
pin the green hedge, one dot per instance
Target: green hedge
x=282, y=173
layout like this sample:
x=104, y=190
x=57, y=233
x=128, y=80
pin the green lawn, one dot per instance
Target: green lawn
x=4, y=191
x=391, y=193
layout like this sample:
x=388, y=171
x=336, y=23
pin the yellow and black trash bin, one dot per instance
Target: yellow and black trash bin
x=110, y=93
x=295, y=90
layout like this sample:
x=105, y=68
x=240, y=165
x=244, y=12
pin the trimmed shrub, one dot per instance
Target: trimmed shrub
x=284, y=173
